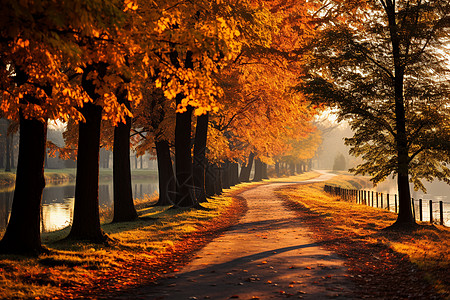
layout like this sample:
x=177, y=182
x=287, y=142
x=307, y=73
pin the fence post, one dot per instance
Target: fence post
x=420, y=210
x=381, y=200
x=395, y=199
x=431, y=211
x=388, y=204
x=441, y=212
x=377, y=200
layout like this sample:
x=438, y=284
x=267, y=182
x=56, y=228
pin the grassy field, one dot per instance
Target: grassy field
x=377, y=257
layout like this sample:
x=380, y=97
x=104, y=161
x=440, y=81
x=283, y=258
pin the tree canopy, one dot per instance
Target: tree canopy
x=385, y=65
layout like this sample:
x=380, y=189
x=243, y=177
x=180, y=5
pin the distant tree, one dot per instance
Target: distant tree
x=384, y=64
x=339, y=162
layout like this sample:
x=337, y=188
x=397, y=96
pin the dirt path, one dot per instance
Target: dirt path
x=268, y=255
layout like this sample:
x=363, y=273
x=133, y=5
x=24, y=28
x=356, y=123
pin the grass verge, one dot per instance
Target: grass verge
x=143, y=251
x=159, y=242
x=384, y=264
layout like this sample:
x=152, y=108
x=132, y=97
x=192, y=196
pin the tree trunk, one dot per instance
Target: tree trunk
x=22, y=235
x=292, y=169
x=8, y=153
x=234, y=174
x=86, y=216
x=107, y=159
x=245, y=170
x=217, y=180
x=264, y=171
x=201, y=133
x=2, y=151
x=277, y=169
x=405, y=217
x=183, y=159
x=13, y=165
x=46, y=160
x=258, y=170
x=165, y=174
x=124, y=209
x=210, y=181
x=226, y=175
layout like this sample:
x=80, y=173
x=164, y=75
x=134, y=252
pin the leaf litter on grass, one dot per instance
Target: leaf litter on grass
x=383, y=264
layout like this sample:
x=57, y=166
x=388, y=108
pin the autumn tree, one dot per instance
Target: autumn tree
x=38, y=48
x=195, y=41
x=107, y=78
x=384, y=65
x=259, y=108
x=153, y=131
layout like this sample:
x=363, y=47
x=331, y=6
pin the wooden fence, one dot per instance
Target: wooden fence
x=422, y=210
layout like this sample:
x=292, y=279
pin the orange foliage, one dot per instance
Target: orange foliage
x=260, y=112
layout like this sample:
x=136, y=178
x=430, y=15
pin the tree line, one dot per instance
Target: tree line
x=207, y=85
x=203, y=85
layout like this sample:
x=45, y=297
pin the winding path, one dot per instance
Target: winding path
x=268, y=255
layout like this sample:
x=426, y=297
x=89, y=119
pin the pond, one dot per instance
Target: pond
x=58, y=202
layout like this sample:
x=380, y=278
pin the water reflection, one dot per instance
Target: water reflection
x=436, y=191
x=58, y=203
x=5, y=208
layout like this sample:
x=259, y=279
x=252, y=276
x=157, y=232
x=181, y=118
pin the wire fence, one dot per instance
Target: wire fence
x=423, y=210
